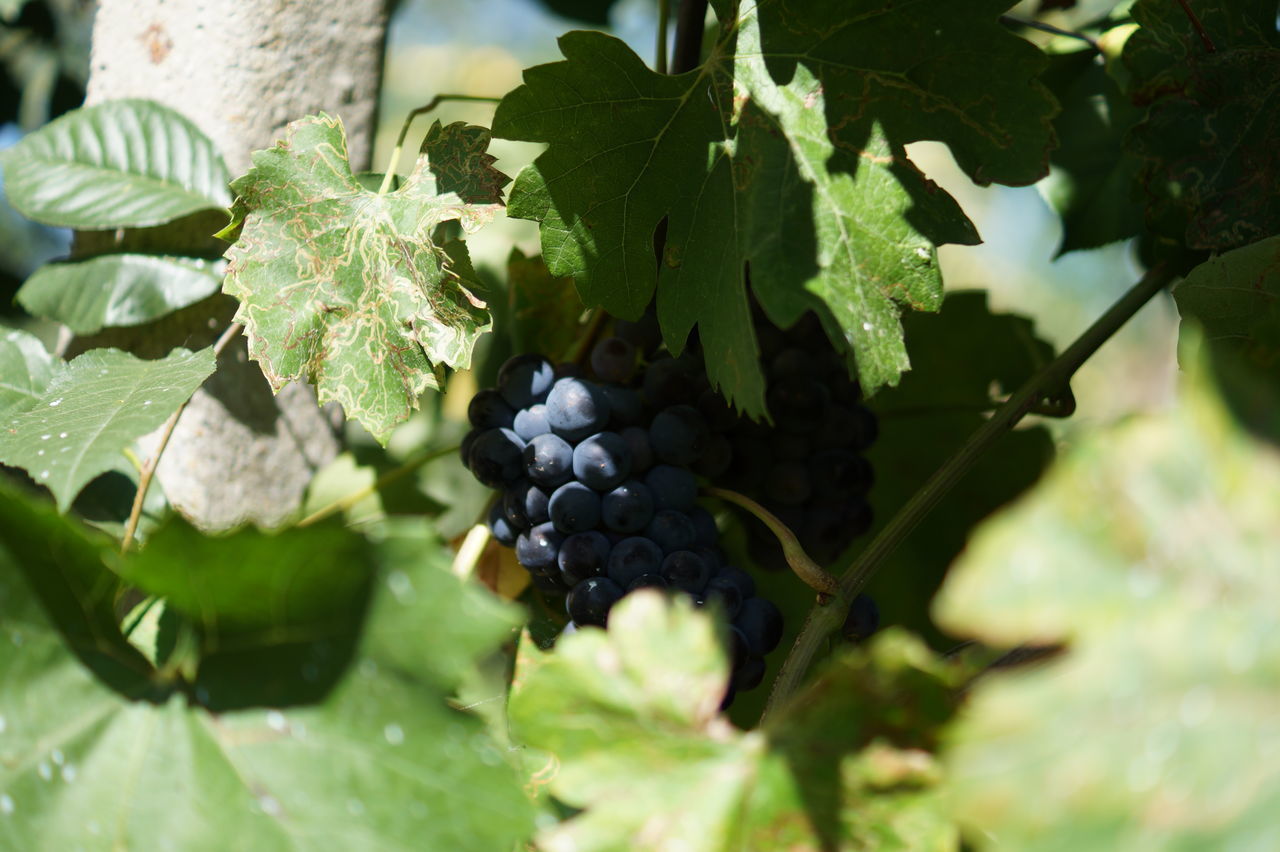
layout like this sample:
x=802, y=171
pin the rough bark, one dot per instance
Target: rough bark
x=241, y=70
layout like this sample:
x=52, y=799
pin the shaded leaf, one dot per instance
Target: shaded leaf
x=117, y=289
x=544, y=310
x=1235, y=299
x=630, y=715
x=1208, y=139
x=344, y=287
x=92, y=409
x=26, y=368
x=373, y=765
x=1094, y=185
x=959, y=356
x=119, y=164
x=1152, y=549
x=781, y=152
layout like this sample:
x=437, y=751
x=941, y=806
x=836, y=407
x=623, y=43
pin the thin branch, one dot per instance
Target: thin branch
x=404, y=130
x=149, y=469
x=393, y=475
x=1209, y=46
x=828, y=615
x=664, y=15
x=690, y=22
x=810, y=572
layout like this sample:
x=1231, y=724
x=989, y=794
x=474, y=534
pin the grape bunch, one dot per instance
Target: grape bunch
x=597, y=492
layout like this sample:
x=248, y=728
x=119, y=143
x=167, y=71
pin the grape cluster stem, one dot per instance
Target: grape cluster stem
x=829, y=613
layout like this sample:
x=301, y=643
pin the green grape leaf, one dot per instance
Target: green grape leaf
x=1093, y=183
x=344, y=287
x=1152, y=550
x=1210, y=162
x=631, y=717
x=119, y=164
x=91, y=409
x=372, y=764
x=1235, y=299
x=117, y=289
x=25, y=370
x=780, y=152
x=543, y=310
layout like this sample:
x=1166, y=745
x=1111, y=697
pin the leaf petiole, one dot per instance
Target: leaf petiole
x=404, y=130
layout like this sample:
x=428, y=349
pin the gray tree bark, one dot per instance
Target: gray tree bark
x=241, y=70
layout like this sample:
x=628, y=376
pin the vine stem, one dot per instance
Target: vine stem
x=827, y=615
x=149, y=469
x=408, y=467
x=810, y=572
x=664, y=14
x=408, y=120
x=1209, y=46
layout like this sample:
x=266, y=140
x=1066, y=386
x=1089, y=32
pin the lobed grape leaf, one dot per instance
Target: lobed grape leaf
x=543, y=310
x=631, y=717
x=120, y=164
x=345, y=287
x=373, y=763
x=25, y=370
x=1152, y=550
x=783, y=151
x=117, y=289
x=1210, y=162
x=91, y=409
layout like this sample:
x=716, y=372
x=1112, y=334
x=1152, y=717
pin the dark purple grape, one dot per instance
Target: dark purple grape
x=863, y=619
x=503, y=532
x=627, y=508
x=669, y=381
x=576, y=408
x=515, y=504
x=574, y=508
x=671, y=530
x=761, y=622
x=647, y=581
x=613, y=359
x=589, y=602
x=633, y=557
x=536, y=548
x=788, y=483
x=717, y=455
x=643, y=333
x=726, y=594
x=626, y=408
x=749, y=674
x=837, y=474
x=716, y=412
x=494, y=457
x=531, y=422
x=602, y=461
x=548, y=460
x=637, y=439
x=746, y=585
x=673, y=487
x=678, y=434
x=791, y=363
x=705, y=533
x=686, y=570
x=488, y=410
x=583, y=555
x=524, y=380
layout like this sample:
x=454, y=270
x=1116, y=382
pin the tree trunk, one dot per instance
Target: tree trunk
x=241, y=70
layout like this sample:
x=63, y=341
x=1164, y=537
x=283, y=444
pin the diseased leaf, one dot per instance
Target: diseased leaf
x=119, y=164
x=1152, y=550
x=91, y=409
x=344, y=287
x=25, y=370
x=117, y=289
x=373, y=764
x=1211, y=164
x=783, y=151
x=630, y=716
